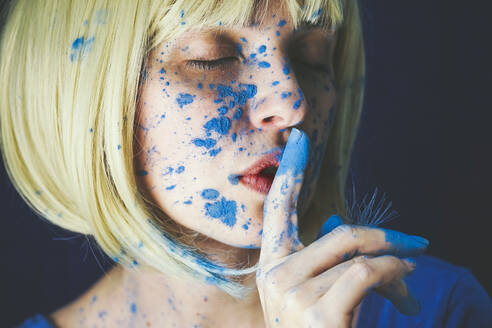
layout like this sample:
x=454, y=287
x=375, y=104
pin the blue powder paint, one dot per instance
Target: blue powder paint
x=245, y=227
x=207, y=143
x=214, y=152
x=199, y=85
x=281, y=23
x=162, y=71
x=218, y=101
x=187, y=202
x=77, y=44
x=286, y=94
x=274, y=83
x=184, y=99
x=246, y=92
x=80, y=46
x=403, y=244
x=297, y=104
x=225, y=210
x=243, y=39
x=142, y=173
x=317, y=13
x=233, y=179
x=210, y=194
x=234, y=137
x=295, y=155
x=221, y=125
x=277, y=33
x=180, y=169
x=222, y=110
x=252, y=56
x=170, y=187
x=237, y=115
x=262, y=49
x=133, y=308
x=239, y=48
x=264, y=64
x=231, y=104
x=182, y=14
x=286, y=69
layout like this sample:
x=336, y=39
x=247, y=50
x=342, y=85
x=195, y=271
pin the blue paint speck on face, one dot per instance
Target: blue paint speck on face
x=221, y=125
x=162, y=71
x=187, y=202
x=170, y=187
x=225, y=210
x=222, y=110
x=277, y=33
x=142, y=173
x=243, y=39
x=286, y=69
x=180, y=169
x=234, y=137
x=233, y=179
x=281, y=23
x=262, y=49
x=133, y=308
x=239, y=48
x=210, y=194
x=207, y=143
x=274, y=83
x=184, y=99
x=264, y=64
x=245, y=227
x=297, y=104
x=214, y=152
x=237, y=115
x=286, y=94
x=240, y=97
x=252, y=56
x=199, y=85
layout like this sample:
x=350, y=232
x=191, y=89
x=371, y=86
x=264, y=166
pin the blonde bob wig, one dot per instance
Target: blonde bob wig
x=70, y=72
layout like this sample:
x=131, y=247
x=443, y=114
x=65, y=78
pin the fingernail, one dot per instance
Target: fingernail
x=412, y=263
x=331, y=223
x=295, y=154
x=405, y=245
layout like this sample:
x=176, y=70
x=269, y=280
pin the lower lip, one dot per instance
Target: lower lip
x=258, y=182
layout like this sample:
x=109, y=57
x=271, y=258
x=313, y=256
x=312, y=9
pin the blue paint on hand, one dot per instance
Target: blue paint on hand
x=331, y=223
x=296, y=154
x=405, y=245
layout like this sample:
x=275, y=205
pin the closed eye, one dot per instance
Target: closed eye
x=220, y=63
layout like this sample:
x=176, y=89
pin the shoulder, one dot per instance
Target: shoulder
x=450, y=296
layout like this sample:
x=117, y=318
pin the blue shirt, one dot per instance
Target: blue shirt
x=450, y=297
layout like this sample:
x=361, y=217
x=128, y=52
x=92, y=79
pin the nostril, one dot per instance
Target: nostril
x=268, y=119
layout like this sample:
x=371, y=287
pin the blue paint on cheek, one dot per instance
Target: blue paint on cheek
x=207, y=143
x=286, y=94
x=184, y=99
x=262, y=49
x=210, y=194
x=237, y=115
x=225, y=210
x=233, y=179
x=180, y=169
x=221, y=125
x=264, y=64
x=296, y=153
x=214, y=152
x=222, y=110
x=286, y=69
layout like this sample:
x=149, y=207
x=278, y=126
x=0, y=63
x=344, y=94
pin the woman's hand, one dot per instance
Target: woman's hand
x=320, y=285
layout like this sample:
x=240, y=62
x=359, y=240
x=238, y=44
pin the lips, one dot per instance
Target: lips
x=259, y=176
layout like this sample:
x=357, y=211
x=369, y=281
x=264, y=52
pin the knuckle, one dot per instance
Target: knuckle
x=346, y=231
x=362, y=270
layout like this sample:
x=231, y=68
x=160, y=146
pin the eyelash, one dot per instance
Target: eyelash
x=211, y=64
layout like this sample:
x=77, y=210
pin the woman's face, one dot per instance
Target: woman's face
x=216, y=108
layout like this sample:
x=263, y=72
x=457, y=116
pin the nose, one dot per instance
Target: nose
x=280, y=102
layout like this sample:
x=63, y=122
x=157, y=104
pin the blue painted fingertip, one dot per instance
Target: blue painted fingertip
x=331, y=223
x=405, y=245
x=296, y=153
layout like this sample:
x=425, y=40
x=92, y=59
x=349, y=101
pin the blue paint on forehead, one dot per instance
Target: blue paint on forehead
x=184, y=99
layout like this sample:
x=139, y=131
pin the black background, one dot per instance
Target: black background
x=424, y=140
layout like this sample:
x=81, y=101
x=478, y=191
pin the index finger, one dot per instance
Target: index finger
x=279, y=237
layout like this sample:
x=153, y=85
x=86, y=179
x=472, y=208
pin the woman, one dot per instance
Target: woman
x=188, y=137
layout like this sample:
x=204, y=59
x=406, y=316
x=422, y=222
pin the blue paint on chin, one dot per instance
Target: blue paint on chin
x=225, y=210
x=296, y=153
x=210, y=194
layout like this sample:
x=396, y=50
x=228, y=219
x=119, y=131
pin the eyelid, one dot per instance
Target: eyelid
x=209, y=64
